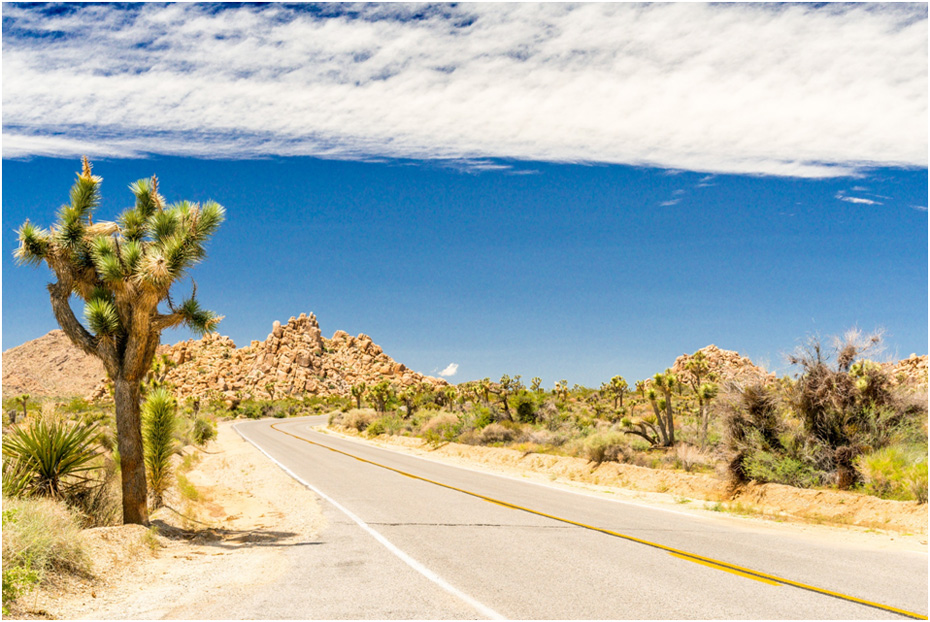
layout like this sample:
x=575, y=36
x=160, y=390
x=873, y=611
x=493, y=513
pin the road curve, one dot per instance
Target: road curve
x=430, y=540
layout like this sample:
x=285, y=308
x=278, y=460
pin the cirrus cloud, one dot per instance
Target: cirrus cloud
x=792, y=90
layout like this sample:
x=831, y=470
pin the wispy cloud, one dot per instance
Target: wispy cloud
x=763, y=89
x=860, y=200
x=670, y=202
x=450, y=370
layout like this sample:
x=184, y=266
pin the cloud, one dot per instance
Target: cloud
x=669, y=203
x=450, y=370
x=796, y=90
x=862, y=201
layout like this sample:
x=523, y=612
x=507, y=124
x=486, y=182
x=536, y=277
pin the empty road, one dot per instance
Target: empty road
x=411, y=538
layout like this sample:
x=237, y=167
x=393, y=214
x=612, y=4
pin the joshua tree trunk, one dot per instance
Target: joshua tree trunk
x=132, y=463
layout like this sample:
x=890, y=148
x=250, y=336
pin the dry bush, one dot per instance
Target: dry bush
x=358, y=418
x=440, y=423
x=606, y=446
x=689, y=457
x=495, y=433
x=545, y=437
x=44, y=534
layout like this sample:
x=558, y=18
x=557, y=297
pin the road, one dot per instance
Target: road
x=412, y=538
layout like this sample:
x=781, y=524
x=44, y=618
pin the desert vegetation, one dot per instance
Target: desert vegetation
x=841, y=421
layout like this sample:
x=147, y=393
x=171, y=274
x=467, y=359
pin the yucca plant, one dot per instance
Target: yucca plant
x=158, y=425
x=49, y=458
x=122, y=271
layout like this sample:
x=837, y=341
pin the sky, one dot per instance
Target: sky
x=563, y=191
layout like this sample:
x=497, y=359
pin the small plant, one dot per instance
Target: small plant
x=50, y=458
x=202, y=431
x=16, y=578
x=158, y=427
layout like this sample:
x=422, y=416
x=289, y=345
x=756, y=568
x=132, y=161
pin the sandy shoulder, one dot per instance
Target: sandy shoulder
x=231, y=538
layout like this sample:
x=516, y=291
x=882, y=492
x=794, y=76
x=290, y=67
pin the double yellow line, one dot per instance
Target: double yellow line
x=692, y=557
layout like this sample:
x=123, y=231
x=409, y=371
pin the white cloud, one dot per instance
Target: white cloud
x=862, y=201
x=450, y=370
x=737, y=88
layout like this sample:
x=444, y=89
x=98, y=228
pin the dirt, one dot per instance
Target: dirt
x=768, y=501
x=230, y=536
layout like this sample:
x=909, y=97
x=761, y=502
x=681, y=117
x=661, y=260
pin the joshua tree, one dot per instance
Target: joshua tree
x=381, y=393
x=617, y=388
x=22, y=399
x=658, y=429
x=358, y=391
x=122, y=271
x=536, y=384
x=697, y=369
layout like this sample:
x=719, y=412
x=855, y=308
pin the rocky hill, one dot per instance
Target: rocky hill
x=50, y=366
x=911, y=371
x=294, y=360
x=727, y=364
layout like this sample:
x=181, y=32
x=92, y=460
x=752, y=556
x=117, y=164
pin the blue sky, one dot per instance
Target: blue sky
x=507, y=188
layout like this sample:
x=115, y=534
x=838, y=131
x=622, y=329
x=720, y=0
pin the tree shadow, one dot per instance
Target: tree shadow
x=224, y=538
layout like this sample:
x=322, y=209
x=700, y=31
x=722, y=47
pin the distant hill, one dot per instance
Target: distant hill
x=50, y=366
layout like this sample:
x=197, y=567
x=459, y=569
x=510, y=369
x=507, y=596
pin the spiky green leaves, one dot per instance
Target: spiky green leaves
x=158, y=424
x=55, y=455
x=85, y=194
x=101, y=315
x=34, y=244
x=148, y=201
x=200, y=320
x=106, y=261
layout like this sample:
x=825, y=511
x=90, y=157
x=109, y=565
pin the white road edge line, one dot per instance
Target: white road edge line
x=423, y=570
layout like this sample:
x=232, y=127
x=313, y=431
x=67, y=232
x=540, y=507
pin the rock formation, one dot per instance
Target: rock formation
x=728, y=365
x=911, y=371
x=294, y=360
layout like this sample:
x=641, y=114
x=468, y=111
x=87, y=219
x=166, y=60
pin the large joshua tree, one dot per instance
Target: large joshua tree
x=123, y=271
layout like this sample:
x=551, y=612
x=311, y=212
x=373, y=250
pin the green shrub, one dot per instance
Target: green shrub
x=484, y=416
x=52, y=457
x=17, y=578
x=767, y=467
x=603, y=446
x=158, y=427
x=894, y=472
x=526, y=406
x=202, y=431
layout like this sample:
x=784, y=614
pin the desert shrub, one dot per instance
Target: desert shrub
x=44, y=535
x=17, y=577
x=688, y=457
x=388, y=424
x=525, y=405
x=603, y=446
x=895, y=472
x=158, y=427
x=545, y=437
x=49, y=457
x=202, y=431
x=483, y=416
x=444, y=426
x=764, y=466
x=359, y=418
x=495, y=433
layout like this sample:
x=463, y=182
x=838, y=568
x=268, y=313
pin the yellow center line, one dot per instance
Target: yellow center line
x=700, y=559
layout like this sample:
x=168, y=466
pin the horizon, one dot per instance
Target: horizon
x=491, y=189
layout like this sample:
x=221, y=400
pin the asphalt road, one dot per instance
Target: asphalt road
x=429, y=540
